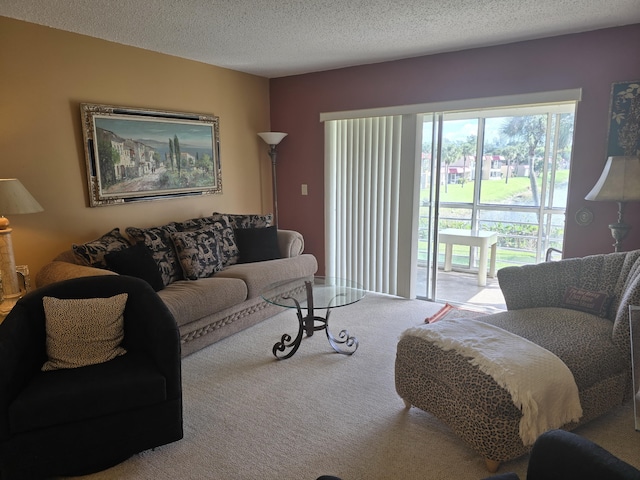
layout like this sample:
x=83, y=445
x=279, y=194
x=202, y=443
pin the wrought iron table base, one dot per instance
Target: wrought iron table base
x=343, y=343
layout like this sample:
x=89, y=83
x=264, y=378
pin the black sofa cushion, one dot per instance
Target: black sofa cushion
x=136, y=261
x=257, y=244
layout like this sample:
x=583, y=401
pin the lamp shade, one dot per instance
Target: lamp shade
x=15, y=199
x=272, y=138
x=619, y=182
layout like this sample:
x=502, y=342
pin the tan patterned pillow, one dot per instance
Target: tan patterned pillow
x=83, y=331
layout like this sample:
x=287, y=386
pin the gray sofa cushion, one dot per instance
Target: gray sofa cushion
x=259, y=275
x=189, y=301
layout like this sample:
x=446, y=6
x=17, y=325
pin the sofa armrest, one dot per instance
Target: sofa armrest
x=57, y=271
x=290, y=243
x=544, y=284
x=540, y=285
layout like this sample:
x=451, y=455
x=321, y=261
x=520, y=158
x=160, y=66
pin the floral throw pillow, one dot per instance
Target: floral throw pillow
x=92, y=253
x=194, y=224
x=198, y=252
x=158, y=240
x=250, y=221
x=226, y=238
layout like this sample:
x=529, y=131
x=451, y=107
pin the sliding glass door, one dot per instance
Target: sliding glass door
x=502, y=170
x=396, y=177
x=428, y=210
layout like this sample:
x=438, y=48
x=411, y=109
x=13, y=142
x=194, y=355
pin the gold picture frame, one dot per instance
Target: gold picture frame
x=135, y=154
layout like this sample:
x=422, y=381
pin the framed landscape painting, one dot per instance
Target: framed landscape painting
x=135, y=154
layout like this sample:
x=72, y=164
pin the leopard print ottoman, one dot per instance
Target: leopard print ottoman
x=478, y=410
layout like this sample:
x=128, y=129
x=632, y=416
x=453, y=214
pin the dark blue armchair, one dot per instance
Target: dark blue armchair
x=562, y=455
x=82, y=420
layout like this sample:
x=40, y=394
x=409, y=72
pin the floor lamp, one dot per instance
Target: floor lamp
x=14, y=199
x=619, y=182
x=273, y=139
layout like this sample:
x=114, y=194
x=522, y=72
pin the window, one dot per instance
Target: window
x=395, y=176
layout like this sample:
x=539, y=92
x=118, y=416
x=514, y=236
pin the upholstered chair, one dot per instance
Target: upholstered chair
x=562, y=455
x=64, y=411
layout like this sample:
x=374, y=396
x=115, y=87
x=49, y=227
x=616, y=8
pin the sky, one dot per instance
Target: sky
x=461, y=129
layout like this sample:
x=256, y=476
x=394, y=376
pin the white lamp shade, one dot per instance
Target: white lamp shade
x=15, y=199
x=619, y=182
x=272, y=138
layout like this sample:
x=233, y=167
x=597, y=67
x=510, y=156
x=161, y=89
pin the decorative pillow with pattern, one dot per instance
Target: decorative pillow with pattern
x=226, y=238
x=158, y=240
x=596, y=303
x=250, y=221
x=83, y=331
x=194, y=224
x=198, y=252
x=92, y=253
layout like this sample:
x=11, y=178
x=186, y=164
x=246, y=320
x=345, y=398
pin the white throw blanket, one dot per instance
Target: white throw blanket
x=540, y=384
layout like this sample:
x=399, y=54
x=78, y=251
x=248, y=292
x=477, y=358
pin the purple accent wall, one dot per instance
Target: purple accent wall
x=591, y=61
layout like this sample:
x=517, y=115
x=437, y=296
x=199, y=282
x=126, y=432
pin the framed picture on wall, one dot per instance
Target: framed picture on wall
x=624, y=120
x=134, y=154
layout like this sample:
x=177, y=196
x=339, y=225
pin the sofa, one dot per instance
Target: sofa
x=209, y=271
x=578, y=309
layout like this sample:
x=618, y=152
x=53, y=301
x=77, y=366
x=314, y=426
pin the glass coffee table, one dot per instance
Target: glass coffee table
x=306, y=295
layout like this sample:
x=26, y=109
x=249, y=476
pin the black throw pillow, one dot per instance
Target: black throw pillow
x=136, y=261
x=257, y=244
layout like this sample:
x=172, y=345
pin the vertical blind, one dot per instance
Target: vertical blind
x=362, y=192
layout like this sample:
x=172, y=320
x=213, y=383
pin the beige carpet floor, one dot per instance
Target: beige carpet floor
x=249, y=416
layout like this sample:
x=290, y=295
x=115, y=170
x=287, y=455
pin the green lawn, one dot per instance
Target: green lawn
x=492, y=191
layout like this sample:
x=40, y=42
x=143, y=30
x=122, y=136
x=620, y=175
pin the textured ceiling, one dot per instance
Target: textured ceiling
x=275, y=38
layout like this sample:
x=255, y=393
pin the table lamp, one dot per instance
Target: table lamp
x=14, y=199
x=619, y=182
x=273, y=139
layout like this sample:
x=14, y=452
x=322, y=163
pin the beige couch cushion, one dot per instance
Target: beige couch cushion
x=191, y=300
x=259, y=275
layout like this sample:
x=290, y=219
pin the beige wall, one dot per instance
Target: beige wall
x=44, y=76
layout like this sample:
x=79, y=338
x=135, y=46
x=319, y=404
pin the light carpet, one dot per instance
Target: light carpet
x=250, y=416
